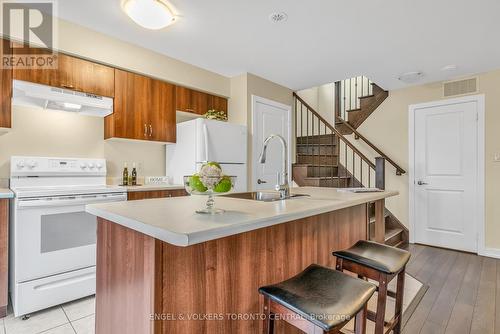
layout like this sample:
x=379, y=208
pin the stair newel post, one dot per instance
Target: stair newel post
x=380, y=173
x=337, y=100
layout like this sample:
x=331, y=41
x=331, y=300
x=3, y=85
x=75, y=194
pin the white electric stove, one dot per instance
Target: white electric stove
x=52, y=238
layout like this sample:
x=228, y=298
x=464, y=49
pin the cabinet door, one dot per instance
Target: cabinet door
x=6, y=91
x=144, y=108
x=48, y=77
x=161, y=114
x=138, y=195
x=129, y=119
x=199, y=101
x=85, y=76
x=190, y=100
x=72, y=73
x=217, y=103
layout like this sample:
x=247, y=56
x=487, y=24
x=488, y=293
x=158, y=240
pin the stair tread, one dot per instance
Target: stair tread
x=352, y=110
x=392, y=232
x=366, y=96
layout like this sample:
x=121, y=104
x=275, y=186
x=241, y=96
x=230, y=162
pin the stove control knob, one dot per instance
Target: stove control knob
x=83, y=165
x=32, y=164
x=91, y=165
x=99, y=166
x=20, y=164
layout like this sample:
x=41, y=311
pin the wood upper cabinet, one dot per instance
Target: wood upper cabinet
x=217, y=103
x=6, y=91
x=73, y=73
x=193, y=101
x=144, y=109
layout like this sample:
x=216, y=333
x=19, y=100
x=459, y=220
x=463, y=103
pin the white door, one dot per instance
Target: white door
x=446, y=174
x=269, y=117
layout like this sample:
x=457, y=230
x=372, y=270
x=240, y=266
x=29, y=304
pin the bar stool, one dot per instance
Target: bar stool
x=382, y=263
x=319, y=300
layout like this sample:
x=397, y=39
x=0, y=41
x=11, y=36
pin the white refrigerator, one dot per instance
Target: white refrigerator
x=202, y=140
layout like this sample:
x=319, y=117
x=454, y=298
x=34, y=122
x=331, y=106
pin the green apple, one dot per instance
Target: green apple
x=224, y=185
x=196, y=184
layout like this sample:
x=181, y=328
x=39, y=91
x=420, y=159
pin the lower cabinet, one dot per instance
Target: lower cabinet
x=136, y=195
x=4, y=255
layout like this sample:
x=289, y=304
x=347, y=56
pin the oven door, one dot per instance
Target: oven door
x=54, y=235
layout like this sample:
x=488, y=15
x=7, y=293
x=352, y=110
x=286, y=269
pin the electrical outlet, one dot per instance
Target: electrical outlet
x=496, y=158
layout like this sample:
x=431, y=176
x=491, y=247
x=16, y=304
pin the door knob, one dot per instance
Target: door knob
x=259, y=181
x=421, y=183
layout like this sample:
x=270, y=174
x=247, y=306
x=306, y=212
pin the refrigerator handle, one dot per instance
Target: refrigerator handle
x=205, y=138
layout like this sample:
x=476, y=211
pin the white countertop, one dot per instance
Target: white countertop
x=6, y=193
x=175, y=221
x=153, y=187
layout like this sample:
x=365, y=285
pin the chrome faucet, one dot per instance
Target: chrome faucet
x=282, y=185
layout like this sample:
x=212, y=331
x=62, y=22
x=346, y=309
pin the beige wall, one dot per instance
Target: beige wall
x=63, y=134
x=240, y=104
x=321, y=99
x=387, y=128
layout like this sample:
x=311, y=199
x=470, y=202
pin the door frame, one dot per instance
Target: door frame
x=479, y=205
x=256, y=152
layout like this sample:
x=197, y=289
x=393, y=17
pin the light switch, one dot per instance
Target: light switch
x=497, y=157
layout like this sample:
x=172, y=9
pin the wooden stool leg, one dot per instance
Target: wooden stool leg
x=360, y=321
x=268, y=327
x=398, y=312
x=381, y=302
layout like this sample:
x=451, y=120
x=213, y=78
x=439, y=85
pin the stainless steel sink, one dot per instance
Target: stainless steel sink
x=262, y=196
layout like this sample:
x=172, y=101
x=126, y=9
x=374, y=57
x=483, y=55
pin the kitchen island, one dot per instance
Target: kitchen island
x=162, y=268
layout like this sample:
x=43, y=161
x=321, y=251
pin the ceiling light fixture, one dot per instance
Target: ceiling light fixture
x=411, y=77
x=150, y=14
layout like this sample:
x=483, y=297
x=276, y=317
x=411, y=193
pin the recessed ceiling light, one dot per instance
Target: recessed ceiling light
x=150, y=14
x=411, y=77
x=449, y=68
x=278, y=17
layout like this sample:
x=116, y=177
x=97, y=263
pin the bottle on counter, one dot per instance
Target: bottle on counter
x=134, y=175
x=125, y=175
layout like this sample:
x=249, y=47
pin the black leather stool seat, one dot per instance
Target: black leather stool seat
x=323, y=296
x=386, y=259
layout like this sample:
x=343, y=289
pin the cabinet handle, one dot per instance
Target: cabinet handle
x=150, y=130
x=145, y=130
x=68, y=86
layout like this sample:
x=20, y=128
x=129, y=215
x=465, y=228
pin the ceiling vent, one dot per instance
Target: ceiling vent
x=460, y=87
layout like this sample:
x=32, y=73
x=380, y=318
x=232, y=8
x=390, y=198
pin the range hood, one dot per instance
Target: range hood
x=54, y=98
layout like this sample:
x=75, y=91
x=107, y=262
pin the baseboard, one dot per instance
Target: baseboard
x=490, y=252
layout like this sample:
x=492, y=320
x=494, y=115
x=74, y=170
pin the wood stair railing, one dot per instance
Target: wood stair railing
x=355, y=100
x=326, y=158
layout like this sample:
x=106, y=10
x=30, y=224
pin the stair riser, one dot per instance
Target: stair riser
x=314, y=150
x=322, y=171
x=328, y=183
x=317, y=160
x=323, y=139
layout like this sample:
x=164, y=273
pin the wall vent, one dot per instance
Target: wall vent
x=460, y=87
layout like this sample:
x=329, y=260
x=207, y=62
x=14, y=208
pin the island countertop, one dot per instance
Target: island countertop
x=174, y=220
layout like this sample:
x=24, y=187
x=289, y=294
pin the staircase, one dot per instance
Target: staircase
x=326, y=158
x=355, y=100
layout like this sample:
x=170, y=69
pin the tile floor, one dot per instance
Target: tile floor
x=77, y=317
x=74, y=317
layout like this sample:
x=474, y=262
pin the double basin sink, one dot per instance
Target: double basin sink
x=263, y=196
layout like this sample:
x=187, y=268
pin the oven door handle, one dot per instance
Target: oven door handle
x=70, y=200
